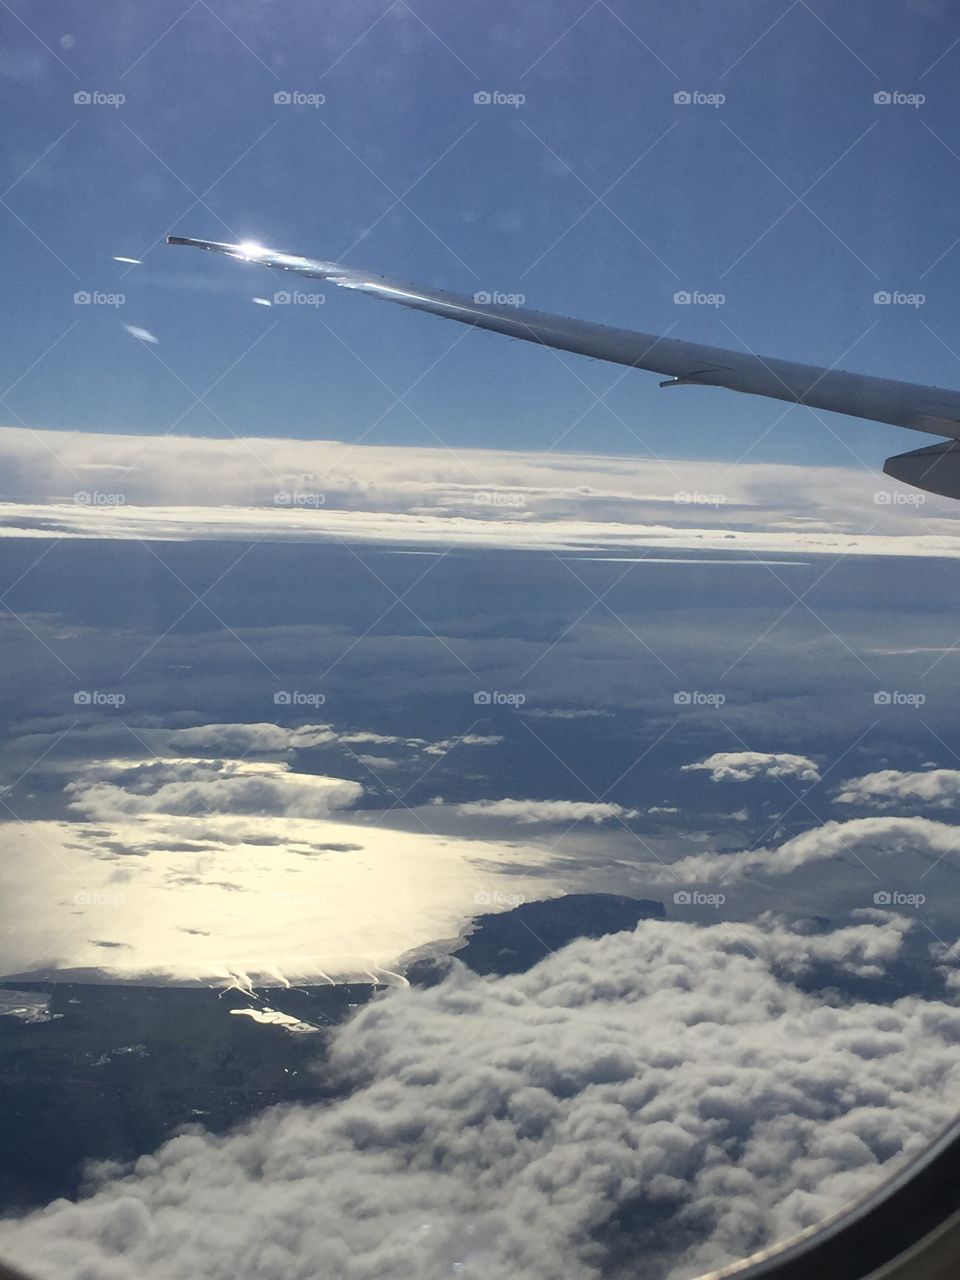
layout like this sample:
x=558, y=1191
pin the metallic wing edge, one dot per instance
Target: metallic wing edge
x=901, y=404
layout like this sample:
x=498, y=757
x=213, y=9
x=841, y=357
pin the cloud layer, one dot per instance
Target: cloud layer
x=87, y=485
x=514, y=1128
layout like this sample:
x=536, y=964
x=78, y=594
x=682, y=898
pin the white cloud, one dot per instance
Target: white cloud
x=142, y=335
x=113, y=789
x=498, y=1125
x=947, y=956
x=741, y=766
x=887, y=837
x=935, y=788
x=378, y=763
x=240, y=738
x=467, y=740
x=365, y=738
x=179, y=488
x=865, y=948
x=528, y=811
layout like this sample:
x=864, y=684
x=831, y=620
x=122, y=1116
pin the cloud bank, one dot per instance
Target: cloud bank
x=76, y=484
x=514, y=1128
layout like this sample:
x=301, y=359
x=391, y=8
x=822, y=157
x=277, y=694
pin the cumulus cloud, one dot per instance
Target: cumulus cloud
x=893, y=837
x=934, y=788
x=510, y=1128
x=865, y=948
x=109, y=790
x=529, y=811
x=947, y=956
x=741, y=766
x=377, y=763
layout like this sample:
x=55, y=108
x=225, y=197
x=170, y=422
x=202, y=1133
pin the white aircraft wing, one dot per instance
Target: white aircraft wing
x=902, y=404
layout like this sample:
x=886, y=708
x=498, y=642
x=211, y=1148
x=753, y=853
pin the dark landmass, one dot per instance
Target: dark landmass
x=514, y=941
x=117, y=1069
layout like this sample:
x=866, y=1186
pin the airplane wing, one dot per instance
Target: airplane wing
x=902, y=404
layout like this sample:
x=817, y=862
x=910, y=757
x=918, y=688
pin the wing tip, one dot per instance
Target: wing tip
x=204, y=244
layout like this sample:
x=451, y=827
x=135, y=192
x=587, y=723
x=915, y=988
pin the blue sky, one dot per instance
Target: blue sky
x=498, y=197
